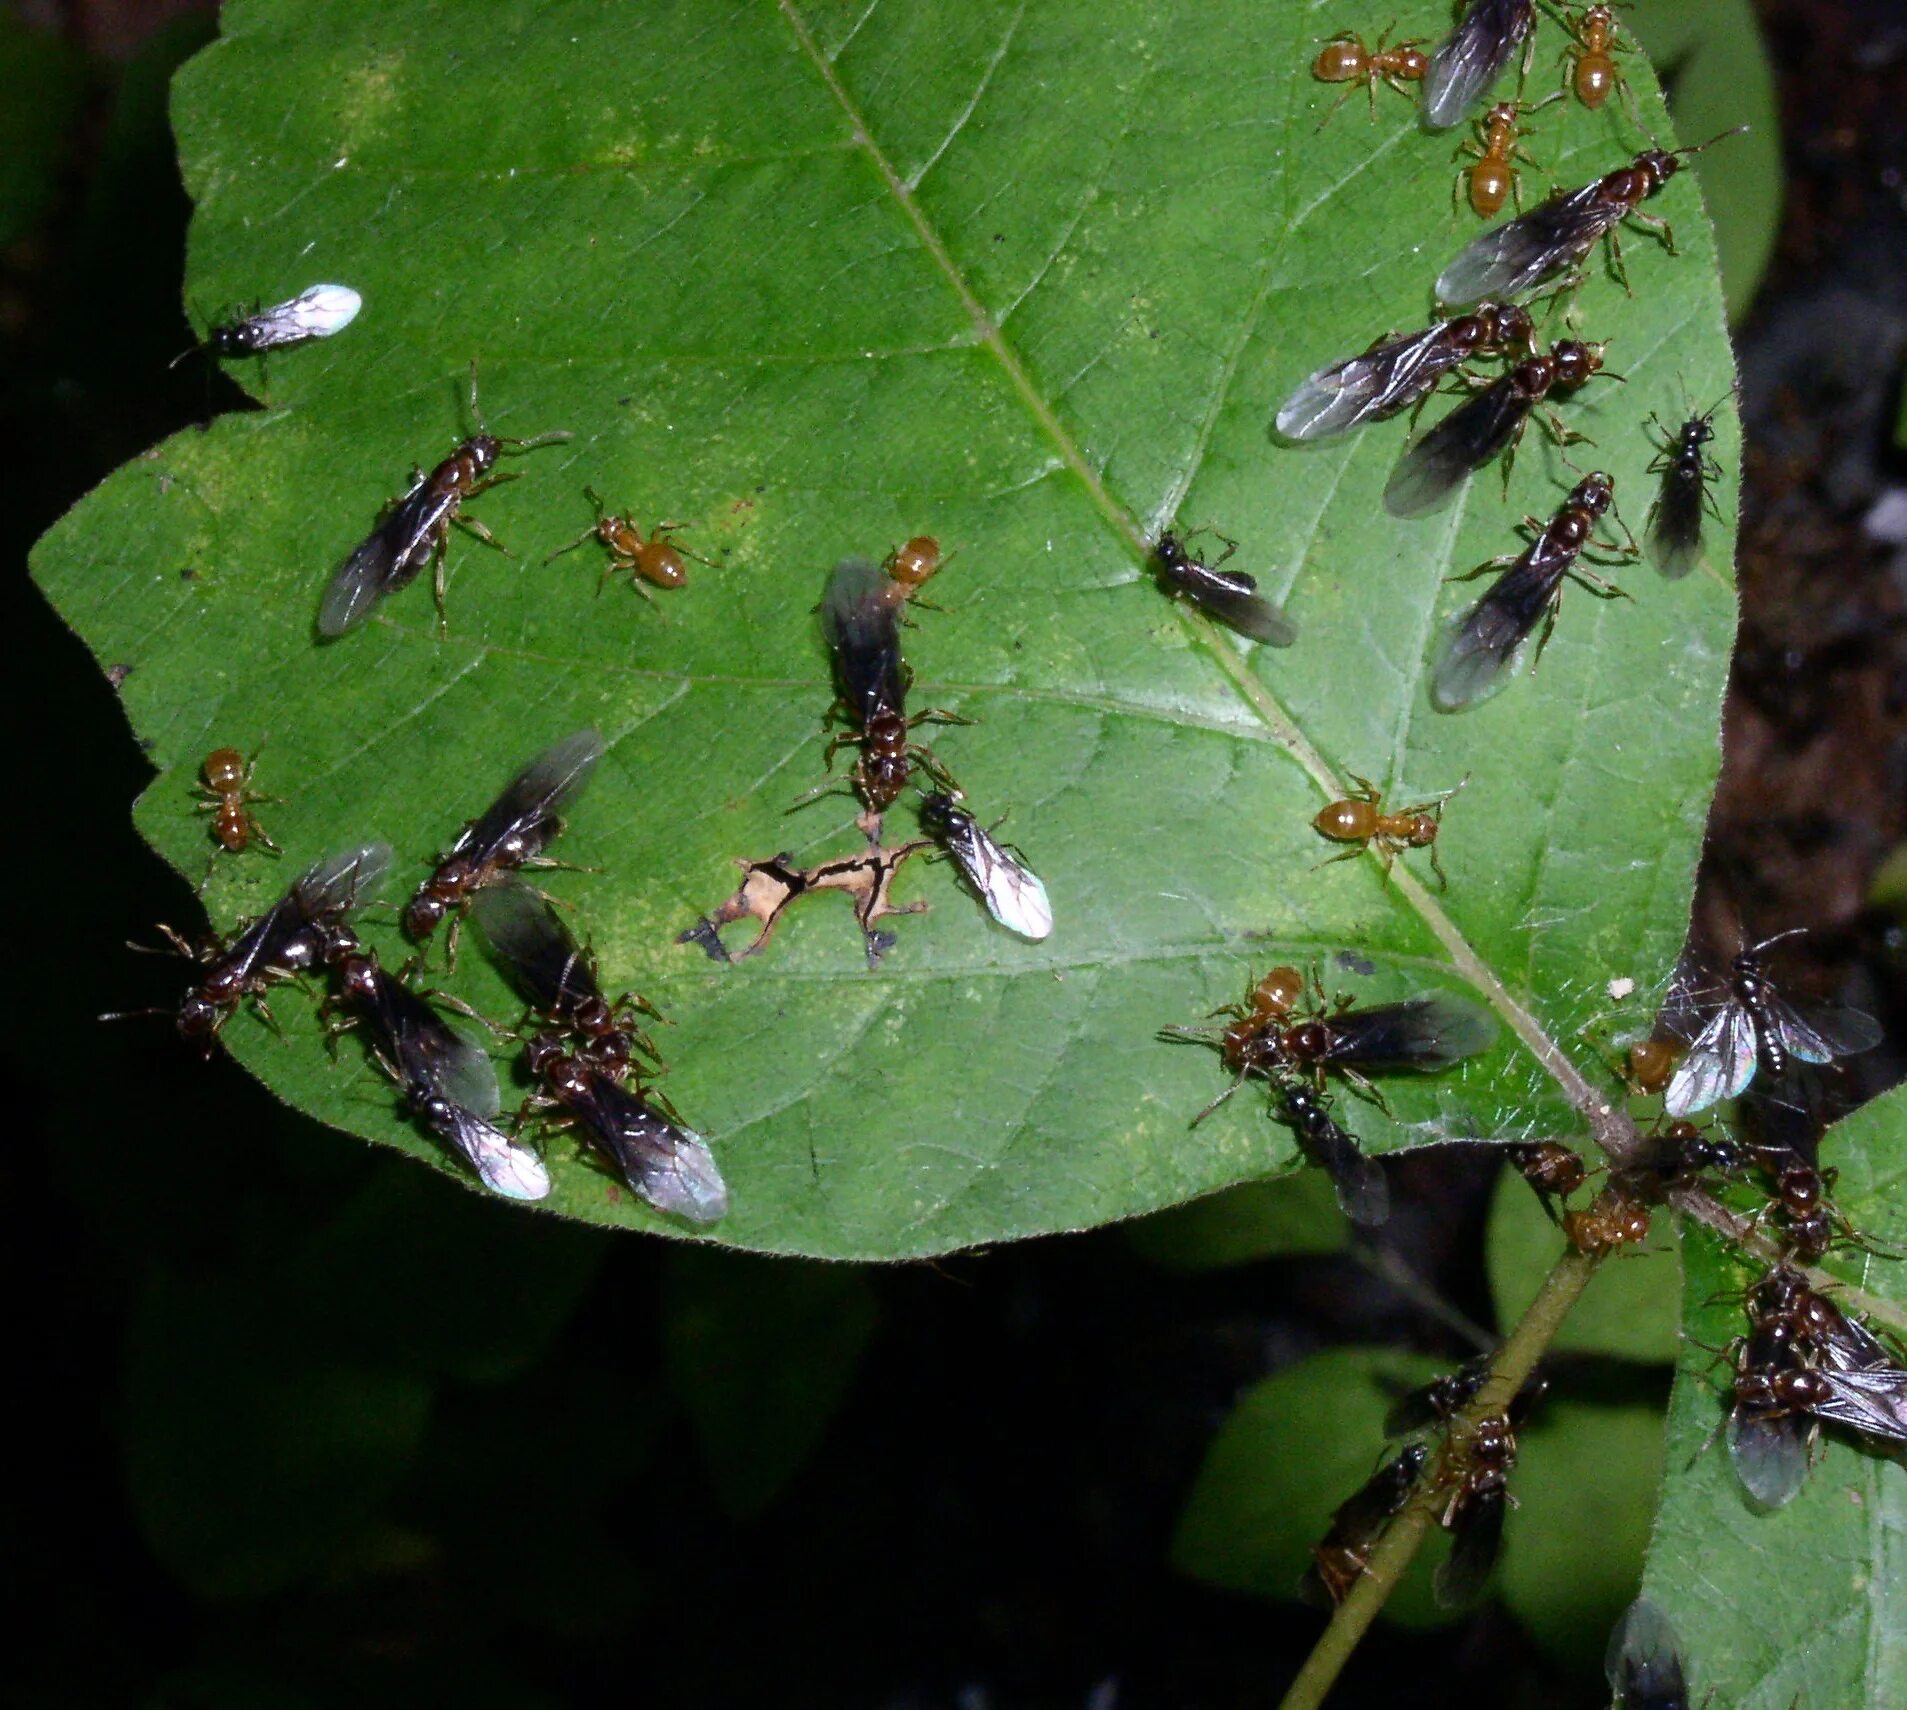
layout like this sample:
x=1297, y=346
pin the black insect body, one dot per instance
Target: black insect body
x=668, y=1165
x=1674, y=531
x=448, y=1083
x=860, y=618
x=1012, y=891
x=1437, y=1402
x=283, y=942
x=1481, y=645
x=1472, y=57
x=315, y=313
x=415, y=529
x=1515, y=258
x=1487, y=426
x=1398, y=371
x=1229, y=595
x=1752, y=1024
x=1364, y=1195
x=1341, y=1557
x=1644, y=1662
x=529, y=942
x=518, y=826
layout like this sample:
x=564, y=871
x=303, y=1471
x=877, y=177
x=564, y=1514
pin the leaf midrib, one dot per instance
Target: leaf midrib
x=1610, y=1125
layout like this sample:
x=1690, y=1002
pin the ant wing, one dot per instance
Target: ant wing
x=1717, y=1065
x=1873, y=1402
x=1232, y=598
x=510, y=1170
x=1387, y=378
x=860, y=618
x=387, y=559
x=1674, y=535
x=1428, y=1032
x=1644, y=1662
x=433, y=1059
x=534, y=797
x=1472, y=57
x=669, y=1166
x=1012, y=891
x=528, y=941
x=1436, y=463
x=1483, y=643
x=342, y=881
x=1770, y=1452
x=1820, y=1032
x=1364, y=1195
x=1432, y=1403
x=1515, y=258
x=1476, y=1535
x=316, y=313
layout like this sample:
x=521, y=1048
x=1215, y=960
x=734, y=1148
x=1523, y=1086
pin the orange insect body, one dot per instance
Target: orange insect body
x=226, y=779
x=1615, y=1220
x=653, y=558
x=1345, y=59
x=912, y=564
x=1491, y=178
x=1360, y=818
x=1594, y=75
x=1651, y=1063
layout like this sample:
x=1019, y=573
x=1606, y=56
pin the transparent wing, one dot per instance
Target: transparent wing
x=1427, y=1032
x=1644, y=1662
x=860, y=618
x=1517, y=257
x=1385, y=379
x=1818, y=1033
x=1674, y=537
x=388, y=558
x=529, y=942
x=535, y=795
x=430, y=1054
x=1872, y=1401
x=669, y=1166
x=1013, y=893
x=1476, y=1535
x=1716, y=1066
x=1435, y=464
x=1770, y=1454
x=1234, y=600
x=1364, y=1194
x=316, y=313
x=513, y=1171
x=343, y=881
x=1472, y=57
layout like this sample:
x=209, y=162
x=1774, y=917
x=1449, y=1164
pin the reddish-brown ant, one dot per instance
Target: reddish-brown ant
x=1589, y=67
x=1345, y=59
x=226, y=788
x=1491, y=177
x=1552, y=1169
x=656, y=560
x=1617, y=1219
x=1360, y=818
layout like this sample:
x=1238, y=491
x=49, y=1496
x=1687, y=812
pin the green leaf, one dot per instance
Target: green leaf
x=1632, y=1306
x=761, y=1352
x=1716, y=65
x=1260, y=1220
x=816, y=278
x=1806, y=1600
x=1270, y=1480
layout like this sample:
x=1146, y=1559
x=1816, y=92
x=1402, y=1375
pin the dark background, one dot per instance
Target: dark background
x=206, y=1289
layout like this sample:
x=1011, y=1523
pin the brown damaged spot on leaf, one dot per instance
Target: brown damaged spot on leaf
x=769, y=888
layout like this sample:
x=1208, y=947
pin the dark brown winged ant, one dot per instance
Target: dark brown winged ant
x=1342, y=1556
x=415, y=529
x=1552, y=1169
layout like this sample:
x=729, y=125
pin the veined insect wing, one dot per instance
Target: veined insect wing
x=534, y=949
x=860, y=619
x=1363, y=1190
x=1438, y=462
x=1818, y=1033
x=535, y=795
x=1644, y=1661
x=1479, y=652
x=1770, y=1454
x=1717, y=1065
x=505, y=1168
x=1472, y=57
x=1012, y=891
x=1364, y=388
x=1476, y=1538
x=1429, y=1031
x=1230, y=596
x=669, y=1166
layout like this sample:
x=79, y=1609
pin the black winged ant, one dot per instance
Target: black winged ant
x=1674, y=529
x=860, y=617
x=317, y=312
x=1014, y=894
x=1345, y=59
x=1472, y=57
x=1553, y=238
x=1644, y=1663
x=287, y=940
x=415, y=529
x=1489, y=425
x=667, y=1164
x=1364, y=1196
x=1480, y=647
x=513, y=832
x=448, y=1083
x=1359, y=818
x=1491, y=178
x=1748, y=1024
x=1399, y=370
x=654, y=559
x=225, y=789
x=1229, y=595
x=1342, y=1556
x=1478, y=1470
x=528, y=941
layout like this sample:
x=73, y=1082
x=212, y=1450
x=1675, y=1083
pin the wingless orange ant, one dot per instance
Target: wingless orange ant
x=1345, y=59
x=656, y=560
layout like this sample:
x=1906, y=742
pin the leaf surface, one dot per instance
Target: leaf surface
x=816, y=278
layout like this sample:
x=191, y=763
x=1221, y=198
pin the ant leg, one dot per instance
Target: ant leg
x=1655, y=223
x=587, y=534
x=1222, y=1097
x=437, y=556
x=1436, y=866
x=1501, y=562
x=470, y=525
x=1342, y=855
x=940, y=715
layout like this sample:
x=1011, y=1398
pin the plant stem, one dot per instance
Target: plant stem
x=1514, y=1362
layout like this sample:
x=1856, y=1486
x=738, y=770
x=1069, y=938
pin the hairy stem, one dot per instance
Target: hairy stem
x=1514, y=1362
